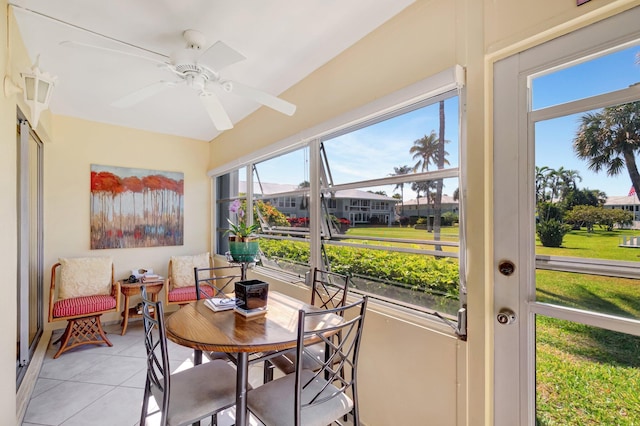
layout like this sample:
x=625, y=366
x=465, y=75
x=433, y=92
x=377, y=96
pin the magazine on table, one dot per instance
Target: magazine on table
x=221, y=303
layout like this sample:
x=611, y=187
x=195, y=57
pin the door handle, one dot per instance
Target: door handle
x=506, y=316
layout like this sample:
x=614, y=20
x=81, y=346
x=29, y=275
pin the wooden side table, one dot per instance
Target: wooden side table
x=128, y=290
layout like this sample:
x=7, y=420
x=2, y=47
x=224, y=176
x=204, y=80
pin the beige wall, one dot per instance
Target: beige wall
x=427, y=37
x=76, y=145
x=8, y=223
x=409, y=372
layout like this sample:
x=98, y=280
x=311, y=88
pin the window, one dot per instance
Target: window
x=377, y=200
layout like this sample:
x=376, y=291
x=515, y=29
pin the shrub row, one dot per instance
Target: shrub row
x=418, y=272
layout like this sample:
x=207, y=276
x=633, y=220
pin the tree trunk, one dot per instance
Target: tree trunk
x=437, y=204
x=632, y=168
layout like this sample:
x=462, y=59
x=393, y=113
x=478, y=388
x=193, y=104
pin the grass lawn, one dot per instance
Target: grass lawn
x=587, y=375
x=598, y=244
x=448, y=233
x=584, y=375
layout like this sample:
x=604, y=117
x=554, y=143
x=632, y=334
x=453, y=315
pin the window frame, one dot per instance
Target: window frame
x=440, y=86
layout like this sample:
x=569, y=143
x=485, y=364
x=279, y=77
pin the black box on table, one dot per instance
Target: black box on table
x=251, y=294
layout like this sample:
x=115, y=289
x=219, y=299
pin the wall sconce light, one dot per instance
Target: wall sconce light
x=37, y=88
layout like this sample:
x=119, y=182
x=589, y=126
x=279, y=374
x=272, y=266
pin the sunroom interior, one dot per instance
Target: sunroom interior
x=443, y=359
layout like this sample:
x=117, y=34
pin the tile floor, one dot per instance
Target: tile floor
x=103, y=386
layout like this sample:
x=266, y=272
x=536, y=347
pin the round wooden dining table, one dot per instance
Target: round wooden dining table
x=197, y=326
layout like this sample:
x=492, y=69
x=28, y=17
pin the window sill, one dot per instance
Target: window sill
x=392, y=311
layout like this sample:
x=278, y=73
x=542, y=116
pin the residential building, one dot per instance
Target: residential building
x=358, y=207
x=628, y=203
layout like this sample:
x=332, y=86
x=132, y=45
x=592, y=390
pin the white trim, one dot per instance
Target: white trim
x=450, y=79
x=609, y=268
x=618, y=97
x=591, y=318
x=513, y=231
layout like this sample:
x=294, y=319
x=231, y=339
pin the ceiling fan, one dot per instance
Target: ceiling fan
x=189, y=65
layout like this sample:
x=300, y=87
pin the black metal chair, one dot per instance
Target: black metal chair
x=328, y=391
x=217, y=281
x=190, y=395
x=214, y=282
x=328, y=291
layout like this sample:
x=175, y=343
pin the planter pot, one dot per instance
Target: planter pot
x=244, y=251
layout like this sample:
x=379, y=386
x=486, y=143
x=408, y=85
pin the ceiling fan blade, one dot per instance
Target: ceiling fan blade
x=142, y=94
x=160, y=59
x=216, y=111
x=220, y=56
x=263, y=98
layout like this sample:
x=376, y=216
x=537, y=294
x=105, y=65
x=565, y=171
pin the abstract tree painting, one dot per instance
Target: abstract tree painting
x=136, y=208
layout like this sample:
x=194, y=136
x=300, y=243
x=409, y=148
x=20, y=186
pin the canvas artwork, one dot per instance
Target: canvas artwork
x=136, y=207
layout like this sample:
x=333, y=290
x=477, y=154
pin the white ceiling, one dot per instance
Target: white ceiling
x=283, y=42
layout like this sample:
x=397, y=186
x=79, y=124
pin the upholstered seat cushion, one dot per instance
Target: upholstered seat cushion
x=83, y=305
x=313, y=359
x=188, y=294
x=182, y=269
x=273, y=402
x=198, y=391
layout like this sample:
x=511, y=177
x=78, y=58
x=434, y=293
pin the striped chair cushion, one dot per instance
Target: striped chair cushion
x=188, y=294
x=83, y=305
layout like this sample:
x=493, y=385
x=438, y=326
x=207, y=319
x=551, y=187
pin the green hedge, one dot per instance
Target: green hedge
x=418, y=272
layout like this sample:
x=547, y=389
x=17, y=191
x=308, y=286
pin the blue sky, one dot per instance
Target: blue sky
x=554, y=137
x=373, y=152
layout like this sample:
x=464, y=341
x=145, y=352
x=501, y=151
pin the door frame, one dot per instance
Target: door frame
x=514, y=210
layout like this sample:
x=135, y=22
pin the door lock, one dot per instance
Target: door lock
x=506, y=316
x=506, y=267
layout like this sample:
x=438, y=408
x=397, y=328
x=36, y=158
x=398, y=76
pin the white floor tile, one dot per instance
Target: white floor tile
x=56, y=405
x=121, y=407
x=100, y=385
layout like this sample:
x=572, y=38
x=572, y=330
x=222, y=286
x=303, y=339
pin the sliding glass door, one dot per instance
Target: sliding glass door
x=30, y=246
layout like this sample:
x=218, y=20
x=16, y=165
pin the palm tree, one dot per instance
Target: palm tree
x=426, y=151
x=423, y=187
x=399, y=171
x=440, y=158
x=430, y=150
x=418, y=187
x=609, y=140
x=569, y=179
x=542, y=182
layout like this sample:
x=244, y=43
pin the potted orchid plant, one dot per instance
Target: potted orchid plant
x=241, y=246
x=240, y=231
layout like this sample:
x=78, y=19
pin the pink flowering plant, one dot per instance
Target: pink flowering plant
x=240, y=229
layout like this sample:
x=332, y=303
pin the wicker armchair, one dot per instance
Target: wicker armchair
x=82, y=289
x=180, y=287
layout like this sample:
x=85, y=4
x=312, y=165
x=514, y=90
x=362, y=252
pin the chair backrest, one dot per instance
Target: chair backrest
x=74, y=277
x=158, y=380
x=336, y=375
x=180, y=269
x=219, y=278
x=328, y=289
